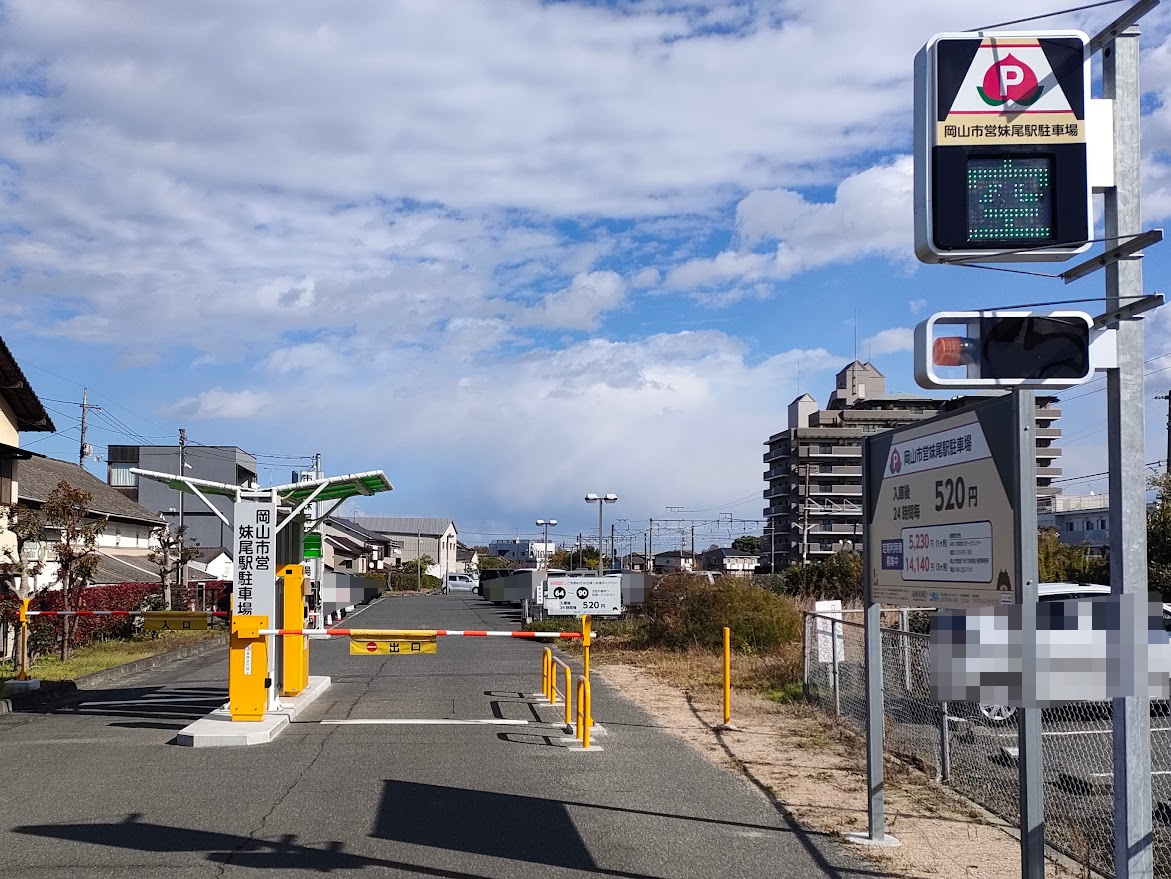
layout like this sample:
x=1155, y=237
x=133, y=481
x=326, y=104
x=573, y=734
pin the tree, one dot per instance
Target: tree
x=67, y=510
x=169, y=554
x=1159, y=537
x=489, y=562
x=17, y=573
x=749, y=543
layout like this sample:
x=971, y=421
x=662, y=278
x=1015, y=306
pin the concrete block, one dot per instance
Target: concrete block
x=218, y=730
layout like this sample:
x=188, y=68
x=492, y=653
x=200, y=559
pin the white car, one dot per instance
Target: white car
x=461, y=582
x=996, y=714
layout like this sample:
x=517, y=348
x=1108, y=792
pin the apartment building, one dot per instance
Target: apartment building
x=813, y=499
x=520, y=549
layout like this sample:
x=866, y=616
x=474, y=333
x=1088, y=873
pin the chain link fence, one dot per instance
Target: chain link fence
x=973, y=748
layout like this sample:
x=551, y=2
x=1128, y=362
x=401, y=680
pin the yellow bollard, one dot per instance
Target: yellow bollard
x=588, y=719
x=580, y=702
x=568, y=697
x=585, y=640
x=546, y=662
x=727, y=676
x=22, y=675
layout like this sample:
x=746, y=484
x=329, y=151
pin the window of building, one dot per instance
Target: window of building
x=825, y=487
x=827, y=545
x=825, y=449
x=825, y=468
x=121, y=477
x=1069, y=526
x=1102, y=524
x=7, y=474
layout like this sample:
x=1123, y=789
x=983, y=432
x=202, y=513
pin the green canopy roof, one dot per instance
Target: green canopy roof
x=336, y=487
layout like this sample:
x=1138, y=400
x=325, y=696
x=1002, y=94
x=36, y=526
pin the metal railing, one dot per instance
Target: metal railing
x=973, y=748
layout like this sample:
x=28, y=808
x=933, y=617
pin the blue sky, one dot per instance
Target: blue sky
x=509, y=252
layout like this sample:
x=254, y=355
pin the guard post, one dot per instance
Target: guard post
x=294, y=649
x=248, y=678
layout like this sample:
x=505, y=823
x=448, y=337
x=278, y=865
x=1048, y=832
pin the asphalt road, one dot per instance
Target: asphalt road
x=93, y=788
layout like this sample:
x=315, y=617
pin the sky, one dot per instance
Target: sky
x=508, y=252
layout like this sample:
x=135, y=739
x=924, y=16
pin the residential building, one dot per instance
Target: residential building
x=674, y=561
x=813, y=499
x=1080, y=520
x=467, y=560
x=418, y=536
x=224, y=464
x=216, y=561
x=520, y=549
x=125, y=542
x=353, y=549
x=21, y=411
x=728, y=561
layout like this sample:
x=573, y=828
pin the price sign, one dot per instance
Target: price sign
x=940, y=520
x=576, y=596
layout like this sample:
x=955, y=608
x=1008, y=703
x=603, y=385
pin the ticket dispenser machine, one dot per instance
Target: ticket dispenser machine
x=248, y=681
x=292, y=650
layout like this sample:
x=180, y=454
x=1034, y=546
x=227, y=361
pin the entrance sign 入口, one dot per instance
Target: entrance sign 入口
x=575, y=596
x=254, y=548
x=941, y=518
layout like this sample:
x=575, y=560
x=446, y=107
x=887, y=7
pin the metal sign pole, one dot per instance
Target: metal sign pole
x=1030, y=779
x=1126, y=417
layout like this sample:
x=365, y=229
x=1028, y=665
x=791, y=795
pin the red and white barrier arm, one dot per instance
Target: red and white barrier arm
x=417, y=633
x=113, y=613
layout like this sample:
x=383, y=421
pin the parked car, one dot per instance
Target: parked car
x=999, y=714
x=460, y=582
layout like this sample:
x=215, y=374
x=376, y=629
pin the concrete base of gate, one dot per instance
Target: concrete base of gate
x=217, y=730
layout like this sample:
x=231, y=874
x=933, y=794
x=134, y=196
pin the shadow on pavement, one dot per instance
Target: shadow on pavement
x=145, y=707
x=805, y=837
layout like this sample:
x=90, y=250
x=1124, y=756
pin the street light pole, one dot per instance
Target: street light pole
x=545, y=546
x=601, y=500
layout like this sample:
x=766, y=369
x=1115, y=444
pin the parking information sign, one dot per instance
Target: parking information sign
x=941, y=522
x=575, y=596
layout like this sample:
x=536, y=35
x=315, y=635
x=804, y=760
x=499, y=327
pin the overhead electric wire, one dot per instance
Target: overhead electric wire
x=1044, y=16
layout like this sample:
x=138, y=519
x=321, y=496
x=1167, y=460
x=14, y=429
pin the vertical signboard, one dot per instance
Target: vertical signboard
x=940, y=518
x=254, y=544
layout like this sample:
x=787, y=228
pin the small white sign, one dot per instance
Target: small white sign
x=576, y=596
x=825, y=632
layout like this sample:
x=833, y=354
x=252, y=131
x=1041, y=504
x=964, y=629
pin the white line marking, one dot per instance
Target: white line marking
x=1079, y=732
x=355, y=613
x=1111, y=774
x=426, y=722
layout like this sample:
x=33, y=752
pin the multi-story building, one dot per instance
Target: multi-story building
x=417, y=536
x=520, y=549
x=813, y=502
x=1080, y=520
x=223, y=464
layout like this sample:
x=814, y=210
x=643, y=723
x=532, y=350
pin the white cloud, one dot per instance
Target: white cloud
x=647, y=277
x=917, y=305
x=870, y=214
x=218, y=403
x=890, y=341
x=578, y=306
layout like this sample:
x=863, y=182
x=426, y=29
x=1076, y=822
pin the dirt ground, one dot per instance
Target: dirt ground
x=816, y=770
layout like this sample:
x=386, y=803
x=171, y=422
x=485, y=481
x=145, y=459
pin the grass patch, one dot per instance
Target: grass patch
x=108, y=654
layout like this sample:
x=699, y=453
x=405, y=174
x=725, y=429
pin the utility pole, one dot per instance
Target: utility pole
x=418, y=561
x=1167, y=397
x=693, y=546
x=613, y=550
x=85, y=452
x=319, y=566
x=650, y=548
x=181, y=574
x=580, y=557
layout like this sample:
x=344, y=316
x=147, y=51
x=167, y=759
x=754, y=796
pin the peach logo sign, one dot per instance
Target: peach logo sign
x=1010, y=79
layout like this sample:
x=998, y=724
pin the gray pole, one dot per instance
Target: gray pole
x=874, y=706
x=1125, y=413
x=1030, y=782
x=181, y=574
x=418, y=561
x=1167, y=461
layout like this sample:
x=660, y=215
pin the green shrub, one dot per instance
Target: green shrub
x=689, y=612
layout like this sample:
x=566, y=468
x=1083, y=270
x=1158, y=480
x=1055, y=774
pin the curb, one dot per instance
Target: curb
x=54, y=690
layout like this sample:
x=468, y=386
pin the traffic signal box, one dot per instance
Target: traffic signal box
x=1001, y=169
x=988, y=349
x=294, y=649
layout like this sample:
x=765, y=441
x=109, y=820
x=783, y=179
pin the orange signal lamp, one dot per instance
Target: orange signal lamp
x=953, y=351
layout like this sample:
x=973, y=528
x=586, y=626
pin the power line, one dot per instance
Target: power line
x=1044, y=15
